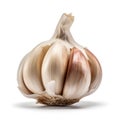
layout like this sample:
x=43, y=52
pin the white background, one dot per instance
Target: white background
x=26, y=23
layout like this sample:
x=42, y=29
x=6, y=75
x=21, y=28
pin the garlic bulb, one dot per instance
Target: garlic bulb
x=59, y=71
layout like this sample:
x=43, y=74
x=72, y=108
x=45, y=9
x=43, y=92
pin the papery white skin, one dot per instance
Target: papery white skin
x=59, y=71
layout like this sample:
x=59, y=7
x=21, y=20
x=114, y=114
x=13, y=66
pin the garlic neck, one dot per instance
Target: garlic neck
x=63, y=33
x=63, y=28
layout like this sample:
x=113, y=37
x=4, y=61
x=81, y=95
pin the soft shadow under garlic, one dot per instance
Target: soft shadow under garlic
x=80, y=105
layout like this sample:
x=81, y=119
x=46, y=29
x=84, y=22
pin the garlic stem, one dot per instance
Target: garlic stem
x=63, y=27
x=63, y=30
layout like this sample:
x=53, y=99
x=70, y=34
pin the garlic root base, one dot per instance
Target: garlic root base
x=55, y=100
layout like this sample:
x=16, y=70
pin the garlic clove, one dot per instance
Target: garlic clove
x=21, y=84
x=78, y=75
x=54, y=66
x=32, y=69
x=96, y=72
